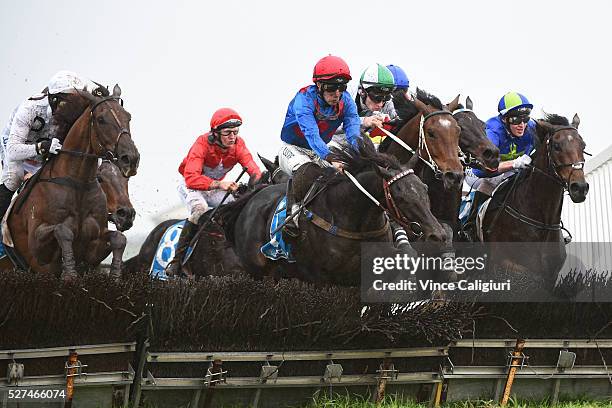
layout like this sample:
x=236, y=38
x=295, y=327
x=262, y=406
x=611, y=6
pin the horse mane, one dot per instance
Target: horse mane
x=365, y=159
x=227, y=214
x=555, y=119
x=406, y=109
x=429, y=99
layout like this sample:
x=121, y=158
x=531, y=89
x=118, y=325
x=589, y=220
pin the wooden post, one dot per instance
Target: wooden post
x=514, y=362
x=72, y=361
x=382, y=381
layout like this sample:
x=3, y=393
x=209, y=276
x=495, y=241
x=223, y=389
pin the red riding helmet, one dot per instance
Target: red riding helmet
x=331, y=69
x=225, y=118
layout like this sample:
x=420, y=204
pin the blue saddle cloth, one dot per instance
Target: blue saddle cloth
x=465, y=207
x=166, y=250
x=277, y=248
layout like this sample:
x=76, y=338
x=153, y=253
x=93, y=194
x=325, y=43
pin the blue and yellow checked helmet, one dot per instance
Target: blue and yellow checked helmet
x=514, y=102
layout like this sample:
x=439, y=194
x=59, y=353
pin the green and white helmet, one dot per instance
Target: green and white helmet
x=378, y=76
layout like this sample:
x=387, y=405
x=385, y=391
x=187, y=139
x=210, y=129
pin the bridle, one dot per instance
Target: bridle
x=553, y=166
x=423, y=143
x=391, y=208
x=107, y=154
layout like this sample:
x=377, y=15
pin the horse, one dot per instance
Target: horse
x=531, y=209
x=445, y=197
x=55, y=223
x=212, y=255
x=333, y=226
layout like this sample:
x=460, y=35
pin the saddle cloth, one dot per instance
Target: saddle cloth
x=166, y=250
x=277, y=248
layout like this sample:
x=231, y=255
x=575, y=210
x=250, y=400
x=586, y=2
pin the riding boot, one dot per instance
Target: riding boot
x=400, y=238
x=188, y=232
x=470, y=224
x=291, y=226
x=5, y=199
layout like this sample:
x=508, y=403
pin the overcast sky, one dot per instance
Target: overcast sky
x=178, y=61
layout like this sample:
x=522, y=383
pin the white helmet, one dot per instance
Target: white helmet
x=68, y=81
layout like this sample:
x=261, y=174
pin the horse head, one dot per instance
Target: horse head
x=438, y=139
x=110, y=135
x=473, y=138
x=561, y=154
x=273, y=173
x=408, y=202
x=115, y=186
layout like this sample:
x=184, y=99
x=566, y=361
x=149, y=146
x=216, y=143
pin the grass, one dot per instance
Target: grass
x=340, y=401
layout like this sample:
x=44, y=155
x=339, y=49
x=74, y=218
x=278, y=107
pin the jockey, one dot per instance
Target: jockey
x=30, y=134
x=315, y=113
x=400, y=78
x=211, y=157
x=373, y=100
x=513, y=132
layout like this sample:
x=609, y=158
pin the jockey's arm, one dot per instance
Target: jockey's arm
x=16, y=146
x=352, y=122
x=246, y=160
x=192, y=173
x=305, y=116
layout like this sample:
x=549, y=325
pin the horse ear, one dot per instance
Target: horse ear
x=543, y=129
x=87, y=95
x=469, y=104
x=117, y=91
x=384, y=173
x=413, y=161
x=454, y=104
x=267, y=163
x=576, y=121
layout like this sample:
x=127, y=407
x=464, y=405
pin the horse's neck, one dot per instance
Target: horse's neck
x=357, y=210
x=77, y=140
x=539, y=196
x=409, y=134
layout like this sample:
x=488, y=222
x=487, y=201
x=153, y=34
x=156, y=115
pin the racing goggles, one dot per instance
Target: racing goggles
x=378, y=95
x=333, y=87
x=517, y=120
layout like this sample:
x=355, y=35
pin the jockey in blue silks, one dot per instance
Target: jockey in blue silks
x=315, y=113
x=513, y=132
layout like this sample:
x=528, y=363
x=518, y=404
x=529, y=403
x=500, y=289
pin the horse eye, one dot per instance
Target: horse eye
x=431, y=134
x=99, y=179
x=557, y=147
x=100, y=120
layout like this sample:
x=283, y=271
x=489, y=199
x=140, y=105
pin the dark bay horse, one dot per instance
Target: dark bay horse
x=323, y=257
x=531, y=211
x=212, y=255
x=57, y=224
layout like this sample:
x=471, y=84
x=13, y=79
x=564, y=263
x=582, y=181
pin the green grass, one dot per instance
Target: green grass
x=340, y=401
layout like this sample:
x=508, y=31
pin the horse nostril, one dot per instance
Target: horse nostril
x=488, y=154
x=122, y=212
x=125, y=159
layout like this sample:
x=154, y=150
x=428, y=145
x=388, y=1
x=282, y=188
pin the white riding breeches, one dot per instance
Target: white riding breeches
x=291, y=158
x=486, y=185
x=200, y=201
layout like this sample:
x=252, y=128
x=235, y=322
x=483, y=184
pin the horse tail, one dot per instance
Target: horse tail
x=228, y=213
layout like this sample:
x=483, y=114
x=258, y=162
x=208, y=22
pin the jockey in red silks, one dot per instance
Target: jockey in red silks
x=210, y=158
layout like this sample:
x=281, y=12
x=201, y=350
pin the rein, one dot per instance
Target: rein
x=391, y=208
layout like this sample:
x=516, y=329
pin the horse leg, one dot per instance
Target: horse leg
x=64, y=237
x=110, y=241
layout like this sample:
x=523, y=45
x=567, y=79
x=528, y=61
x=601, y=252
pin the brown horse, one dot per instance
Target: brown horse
x=433, y=133
x=115, y=186
x=57, y=223
x=531, y=210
